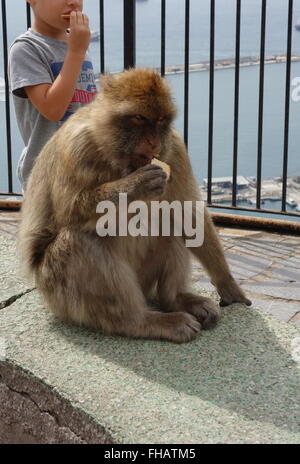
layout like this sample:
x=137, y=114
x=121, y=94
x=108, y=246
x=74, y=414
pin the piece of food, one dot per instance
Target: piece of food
x=66, y=16
x=163, y=165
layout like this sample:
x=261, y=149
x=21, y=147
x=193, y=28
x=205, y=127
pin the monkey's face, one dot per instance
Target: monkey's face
x=143, y=138
x=142, y=112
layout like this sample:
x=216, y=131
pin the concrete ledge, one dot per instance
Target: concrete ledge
x=235, y=384
x=32, y=412
x=238, y=383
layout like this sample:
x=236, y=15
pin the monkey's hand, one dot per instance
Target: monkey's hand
x=230, y=292
x=146, y=182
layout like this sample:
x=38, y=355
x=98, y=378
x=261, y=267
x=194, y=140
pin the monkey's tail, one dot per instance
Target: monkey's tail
x=32, y=245
x=35, y=234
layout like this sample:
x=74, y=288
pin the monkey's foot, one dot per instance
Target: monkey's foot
x=230, y=293
x=178, y=327
x=202, y=308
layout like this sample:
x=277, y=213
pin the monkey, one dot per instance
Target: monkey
x=107, y=283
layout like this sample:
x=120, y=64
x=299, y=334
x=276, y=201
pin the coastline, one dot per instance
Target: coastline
x=221, y=63
x=229, y=63
x=202, y=66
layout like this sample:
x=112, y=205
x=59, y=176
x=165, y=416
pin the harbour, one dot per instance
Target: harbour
x=271, y=192
x=230, y=63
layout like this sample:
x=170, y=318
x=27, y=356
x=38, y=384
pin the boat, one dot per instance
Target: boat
x=297, y=25
x=217, y=190
x=291, y=202
x=252, y=201
x=95, y=36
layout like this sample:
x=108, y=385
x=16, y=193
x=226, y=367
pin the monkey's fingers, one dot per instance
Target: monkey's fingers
x=155, y=186
x=232, y=293
x=244, y=300
x=205, y=310
x=149, y=167
x=149, y=172
x=183, y=327
x=166, y=168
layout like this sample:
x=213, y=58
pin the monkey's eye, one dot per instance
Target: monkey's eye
x=139, y=119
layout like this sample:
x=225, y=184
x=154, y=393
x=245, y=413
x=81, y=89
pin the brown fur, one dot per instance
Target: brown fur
x=104, y=282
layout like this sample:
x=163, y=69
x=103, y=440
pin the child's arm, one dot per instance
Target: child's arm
x=52, y=100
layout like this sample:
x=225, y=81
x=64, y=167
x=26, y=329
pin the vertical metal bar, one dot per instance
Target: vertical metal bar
x=211, y=99
x=163, y=38
x=28, y=15
x=287, y=105
x=101, y=11
x=236, y=101
x=186, y=71
x=261, y=101
x=7, y=107
x=129, y=34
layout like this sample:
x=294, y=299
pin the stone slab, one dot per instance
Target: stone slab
x=282, y=310
x=238, y=383
x=277, y=289
x=245, y=266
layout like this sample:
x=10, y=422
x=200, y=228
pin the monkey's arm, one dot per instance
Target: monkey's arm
x=210, y=253
x=212, y=257
x=146, y=182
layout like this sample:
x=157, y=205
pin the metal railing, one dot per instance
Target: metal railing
x=130, y=61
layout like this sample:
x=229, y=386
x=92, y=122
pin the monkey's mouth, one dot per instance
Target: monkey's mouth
x=141, y=159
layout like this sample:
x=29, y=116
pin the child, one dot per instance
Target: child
x=50, y=74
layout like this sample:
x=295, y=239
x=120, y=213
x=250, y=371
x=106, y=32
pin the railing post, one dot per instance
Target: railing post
x=28, y=15
x=211, y=100
x=186, y=71
x=287, y=105
x=129, y=33
x=261, y=101
x=102, y=56
x=7, y=106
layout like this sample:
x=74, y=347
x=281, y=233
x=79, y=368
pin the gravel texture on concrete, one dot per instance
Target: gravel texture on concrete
x=238, y=383
x=11, y=282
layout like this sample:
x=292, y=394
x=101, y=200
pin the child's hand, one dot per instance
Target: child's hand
x=80, y=34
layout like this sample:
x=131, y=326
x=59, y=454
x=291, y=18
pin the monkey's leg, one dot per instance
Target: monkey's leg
x=173, y=287
x=85, y=282
x=211, y=255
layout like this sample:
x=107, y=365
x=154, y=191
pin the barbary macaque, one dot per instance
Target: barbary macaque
x=106, y=282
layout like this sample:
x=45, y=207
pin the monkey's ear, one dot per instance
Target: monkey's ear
x=107, y=83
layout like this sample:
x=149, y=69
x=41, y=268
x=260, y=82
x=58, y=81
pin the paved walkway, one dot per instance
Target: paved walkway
x=238, y=383
x=267, y=266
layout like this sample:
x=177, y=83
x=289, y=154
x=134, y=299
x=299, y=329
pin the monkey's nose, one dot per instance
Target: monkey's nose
x=154, y=144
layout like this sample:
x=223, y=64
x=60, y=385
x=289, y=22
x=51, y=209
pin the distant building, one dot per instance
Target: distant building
x=226, y=182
